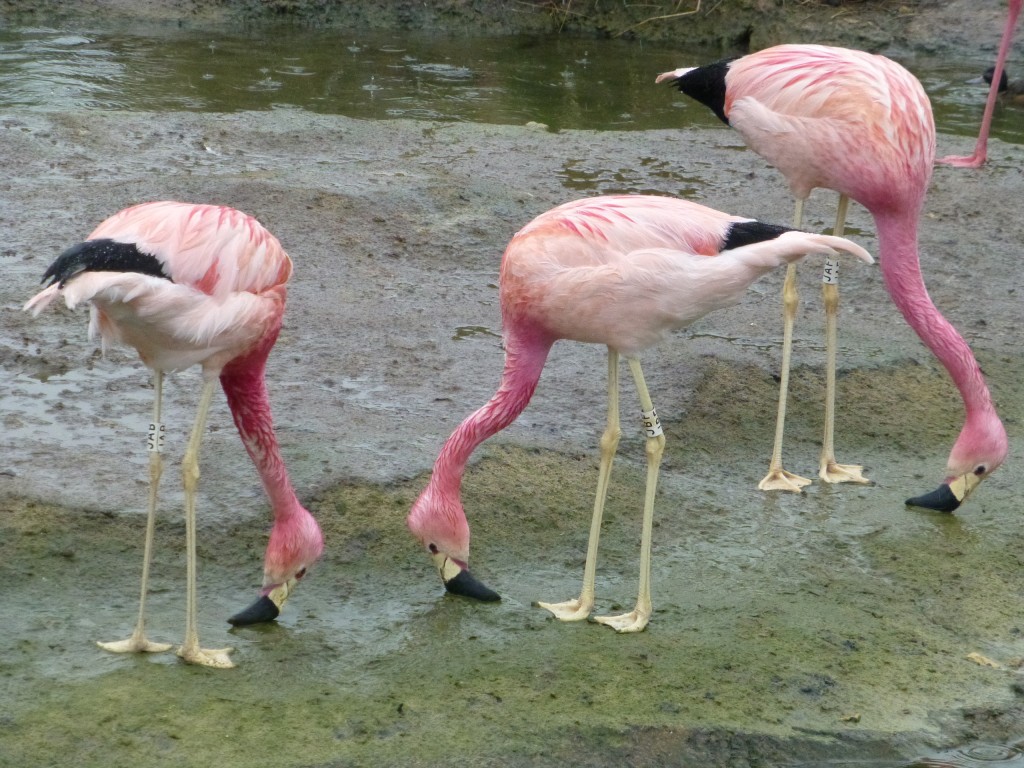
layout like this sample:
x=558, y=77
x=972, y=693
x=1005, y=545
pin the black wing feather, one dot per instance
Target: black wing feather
x=102, y=256
x=748, y=232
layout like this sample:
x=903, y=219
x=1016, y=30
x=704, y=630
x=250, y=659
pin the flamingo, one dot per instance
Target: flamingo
x=196, y=285
x=980, y=155
x=862, y=125
x=619, y=271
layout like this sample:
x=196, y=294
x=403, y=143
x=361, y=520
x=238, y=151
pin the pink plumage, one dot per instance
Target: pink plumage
x=197, y=285
x=624, y=271
x=816, y=113
x=619, y=271
x=224, y=288
x=862, y=125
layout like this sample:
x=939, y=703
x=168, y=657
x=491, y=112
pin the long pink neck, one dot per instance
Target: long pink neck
x=901, y=270
x=525, y=354
x=246, y=390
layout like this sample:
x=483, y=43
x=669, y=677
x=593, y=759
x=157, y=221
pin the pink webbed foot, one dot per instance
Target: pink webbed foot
x=959, y=161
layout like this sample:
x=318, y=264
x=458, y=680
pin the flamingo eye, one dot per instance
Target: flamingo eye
x=301, y=573
x=979, y=470
x=433, y=548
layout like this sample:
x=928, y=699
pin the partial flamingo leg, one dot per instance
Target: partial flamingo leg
x=981, y=148
x=777, y=478
x=190, y=650
x=637, y=619
x=138, y=642
x=831, y=471
x=580, y=608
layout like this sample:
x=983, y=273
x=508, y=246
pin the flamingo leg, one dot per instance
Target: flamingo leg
x=830, y=470
x=138, y=642
x=637, y=619
x=580, y=608
x=777, y=478
x=977, y=159
x=190, y=650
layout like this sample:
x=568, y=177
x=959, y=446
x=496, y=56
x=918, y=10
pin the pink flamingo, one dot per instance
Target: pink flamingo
x=862, y=125
x=619, y=271
x=185, y=285
x=980, y=155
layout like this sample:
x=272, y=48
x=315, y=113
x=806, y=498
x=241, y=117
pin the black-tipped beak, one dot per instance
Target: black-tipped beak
x=950, y=495
x=268, y=607
x=261, y=611
x=459, y=581
x=942, y=499
x=468, y=585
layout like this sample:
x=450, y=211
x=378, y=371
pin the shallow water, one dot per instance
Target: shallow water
x=975, y=756
x=563, y=83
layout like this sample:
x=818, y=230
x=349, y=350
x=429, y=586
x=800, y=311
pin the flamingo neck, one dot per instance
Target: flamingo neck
x=245, y=386
x=901, y=270
x=525, y=355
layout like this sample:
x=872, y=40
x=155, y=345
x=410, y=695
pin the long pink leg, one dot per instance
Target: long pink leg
x=981, y=148
x=138, y=642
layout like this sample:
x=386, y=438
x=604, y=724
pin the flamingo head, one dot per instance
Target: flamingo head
x=439, y=522
x=704, y=84
x=978, y=452
x=295, y=544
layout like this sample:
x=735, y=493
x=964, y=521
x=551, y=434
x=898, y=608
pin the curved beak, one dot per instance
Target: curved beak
x=267, y=607
x=948, y=496
x=459, y=581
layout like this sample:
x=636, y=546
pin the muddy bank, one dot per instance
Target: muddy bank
x=396, y=229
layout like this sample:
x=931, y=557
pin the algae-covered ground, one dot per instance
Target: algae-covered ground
x=787, y=630
x=832, y=628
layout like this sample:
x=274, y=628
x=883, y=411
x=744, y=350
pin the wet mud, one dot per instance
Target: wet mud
x=833, y=627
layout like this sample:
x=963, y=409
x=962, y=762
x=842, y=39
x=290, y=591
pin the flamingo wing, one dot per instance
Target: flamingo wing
x=182, y=284
x=212, y=248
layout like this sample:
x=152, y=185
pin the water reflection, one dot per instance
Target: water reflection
x=978, y=756
x=563, y=83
